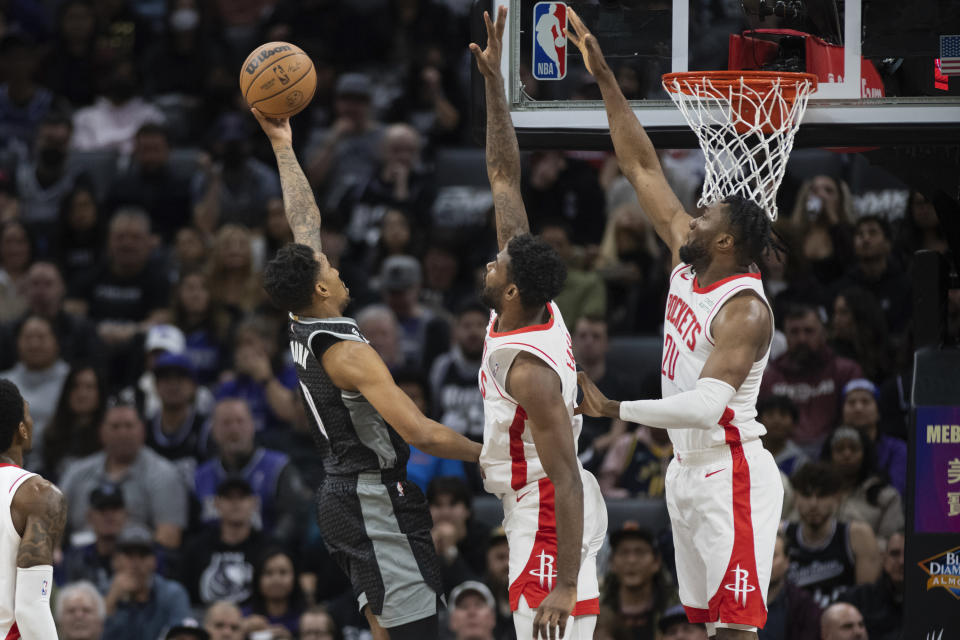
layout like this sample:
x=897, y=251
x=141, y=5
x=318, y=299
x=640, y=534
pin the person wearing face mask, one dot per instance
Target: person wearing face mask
x=114, y=118
x=235, y=187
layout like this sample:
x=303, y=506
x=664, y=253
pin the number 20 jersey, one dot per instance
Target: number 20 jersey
x=687, y=343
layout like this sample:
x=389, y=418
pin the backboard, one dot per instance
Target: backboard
x=881, y=77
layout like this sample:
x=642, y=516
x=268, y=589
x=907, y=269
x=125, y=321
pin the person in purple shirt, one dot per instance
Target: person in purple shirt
x=860, y=410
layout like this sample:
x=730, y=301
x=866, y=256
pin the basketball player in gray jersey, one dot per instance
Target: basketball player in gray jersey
x=374, y=522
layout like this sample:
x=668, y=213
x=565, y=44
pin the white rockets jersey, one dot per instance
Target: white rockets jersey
x=509, y=459
x=688, y=342
x=11, y=478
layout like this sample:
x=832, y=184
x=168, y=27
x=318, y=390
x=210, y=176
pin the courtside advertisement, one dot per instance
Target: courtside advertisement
x=549, y=40
x=937, y=489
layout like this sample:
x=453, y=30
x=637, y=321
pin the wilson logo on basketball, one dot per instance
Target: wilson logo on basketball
x=266, y=53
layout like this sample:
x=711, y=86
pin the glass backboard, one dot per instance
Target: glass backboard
x=889, y=71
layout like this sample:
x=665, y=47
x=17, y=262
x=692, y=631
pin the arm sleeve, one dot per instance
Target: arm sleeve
x=32, y=603
x=699, y=408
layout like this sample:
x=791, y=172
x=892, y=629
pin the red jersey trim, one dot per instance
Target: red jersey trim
x=14, y=633
x=518, y=466
x=16, y=482
x=537, y=327
x=8, y=464
x=719, y=283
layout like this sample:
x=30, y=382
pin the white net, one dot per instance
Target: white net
x=746, y=132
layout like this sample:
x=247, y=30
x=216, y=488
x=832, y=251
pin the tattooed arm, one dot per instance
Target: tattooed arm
x=503, y=152
x=301, y=208
x=39, y=513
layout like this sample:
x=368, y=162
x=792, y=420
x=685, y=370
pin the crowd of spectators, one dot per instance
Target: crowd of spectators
x=138, y=205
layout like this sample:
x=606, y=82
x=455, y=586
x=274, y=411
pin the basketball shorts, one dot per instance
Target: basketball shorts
x=725, y=505
x=530, y=524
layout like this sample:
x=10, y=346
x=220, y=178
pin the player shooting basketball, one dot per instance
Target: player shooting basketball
x=723, y=488
x=554, y=515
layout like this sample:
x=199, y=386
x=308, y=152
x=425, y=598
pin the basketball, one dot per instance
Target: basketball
x=278, y=79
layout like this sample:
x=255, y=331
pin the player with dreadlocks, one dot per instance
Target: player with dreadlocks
x=723, y=488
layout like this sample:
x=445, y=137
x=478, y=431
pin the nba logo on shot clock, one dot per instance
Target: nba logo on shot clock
x=549, y=40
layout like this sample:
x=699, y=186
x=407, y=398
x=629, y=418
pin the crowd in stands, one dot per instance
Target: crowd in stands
x=139, y=203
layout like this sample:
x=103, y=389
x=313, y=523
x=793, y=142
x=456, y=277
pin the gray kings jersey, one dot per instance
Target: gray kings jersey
x=352, y=437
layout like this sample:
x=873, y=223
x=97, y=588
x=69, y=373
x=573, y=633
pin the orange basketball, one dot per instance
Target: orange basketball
x=278, y=79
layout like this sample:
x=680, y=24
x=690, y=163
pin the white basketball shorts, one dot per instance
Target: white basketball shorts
x=725, y=505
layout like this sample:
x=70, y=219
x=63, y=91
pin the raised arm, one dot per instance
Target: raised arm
x=355, y=366
x=503, y=152
x=39, y=513
x=301, y=208
x=635, y=153
x=537, y=387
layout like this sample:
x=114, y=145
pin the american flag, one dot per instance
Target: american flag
x=950, y=55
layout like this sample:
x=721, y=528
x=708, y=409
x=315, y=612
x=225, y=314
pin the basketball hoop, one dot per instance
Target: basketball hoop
x=745, y=122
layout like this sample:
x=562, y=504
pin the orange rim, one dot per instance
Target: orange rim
x=760, y=81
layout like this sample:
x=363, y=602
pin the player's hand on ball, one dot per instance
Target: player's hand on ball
x=488, y=60
x=580, y=36
x=550, y=623
x=277, y=129
x=594, y=402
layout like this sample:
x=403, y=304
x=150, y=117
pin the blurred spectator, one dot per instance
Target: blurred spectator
x=422, y=467
x=316, y=623
x=352, y=271
x=583, y=293
x=472, y=615
x=637, y=586
x=881, y=602
x=827, y=556
x=590, y=347
x=179, y=430
x=140, y=603
x=15, y=257
x=399, y=183
x=919, y=229
x=674, y=625
x=80, y=241
x=204, y=324
x=423, y=334
x=80, y=612
x=160, y=339
x=45, y=177
x=811, y=375
x=378, y=323
x=263, y=381
x=842, y=621
x=277, y=596
x=497, y=578
x=457, y=402
x=39, y=374
x=820, y=226
x=631, y=263
x=610, y=626
x=235, y=187
x=346, y=153
x=865, y=494
x=859, y=332
x=124, y=290
x=861, y=411
x=121, y=34
x=234, y=281
x=187, y=629
x=457, y=535
x=876, y=271
x=274, y=480
x=277, y=230
x=444, y=275
x=779, y=415
x=23, y=102
x=107, y=517
x=153, y=491
x=559, y=186
x=223, y=621
x=189, y=251
x=217, y=564
x=636, y=464
x=112, y=121
x=72, y=72
x=431, y=99
x=73, y=431
x=791, y=612
x=150, y=183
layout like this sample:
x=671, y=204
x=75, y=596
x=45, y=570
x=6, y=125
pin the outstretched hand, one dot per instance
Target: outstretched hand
x=594, y=402
x=488, y=60
x=277, y=129
x=586, y=42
